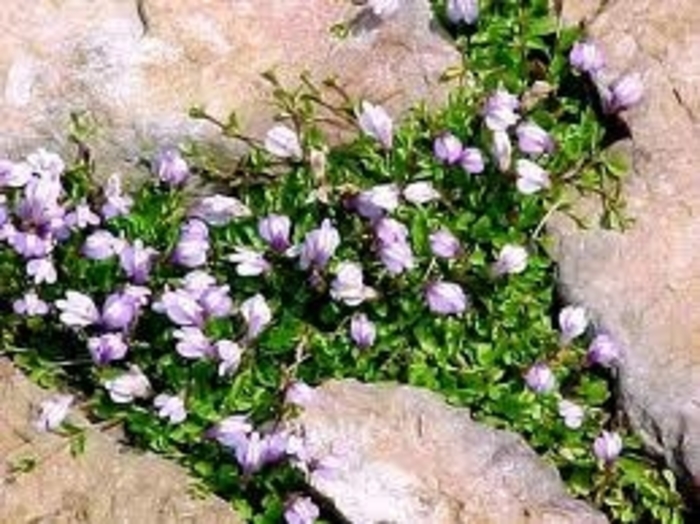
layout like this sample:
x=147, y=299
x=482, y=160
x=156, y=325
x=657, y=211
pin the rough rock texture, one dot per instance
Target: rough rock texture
x=409, y=458
x=139, y=80
x=644, y=285
x=105, y=485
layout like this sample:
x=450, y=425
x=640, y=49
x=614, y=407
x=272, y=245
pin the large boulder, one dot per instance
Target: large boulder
x=138, y=66
x=40, y=481
x=406, y=457
x=643, y=285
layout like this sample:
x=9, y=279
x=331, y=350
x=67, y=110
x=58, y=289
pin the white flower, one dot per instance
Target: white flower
x=283, y=142
x=572, y=414
x=257, y=315
x=52, y=412
x=348, y=285
x=573, y=322
x=77, y=310
x=219, y=210
x=511, y=260
x=170, y=407
x=531, y=177
x=420, y=193
x=376, y=122
x=502, y=150
x=128, y=386
x=248, y=262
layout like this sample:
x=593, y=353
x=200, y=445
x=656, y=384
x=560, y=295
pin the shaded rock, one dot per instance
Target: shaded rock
x=644, y=285
x=409, y=458
x=104, y=485
x=576, y=11
x=139, y=70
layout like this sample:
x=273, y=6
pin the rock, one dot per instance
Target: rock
x=644, y=285
x=104, y=485
x=138, y=75
x=577, y=11
x=409, y=458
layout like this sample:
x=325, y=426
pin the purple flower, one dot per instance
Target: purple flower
x=420, y=193
x=572, y=414
x=607, y=446
x=540, y=379
x=511, y=260
x=42, y=270
x=586, y=57
x=444, y=244
x=170, y=408
x=283, y=142
x=219, y=210
x=362, y=331
x=257, y=315
x=181, y=308
x=31, y=245
x=82, y=217
x=500, y=110
x=231, y=431
x=229, y=354
x=129, y=386
x=13, y=174
x=216, y=302
x=107, y=348
x=446, y=298
x=301, y=510
x=502, y=151
x=197, y=282
x=192, y=343
x=78, y=310
x=623, y=94
x=139, y=294
x=376, y=123
x=573, y=322
x=119, y=311
x=604, y=351
x=191, y=250
x=373, y=203
x=466, y=11
x=252, y=452
x=533, y=140
x=392, y=243
x=447, y=148
x=170, y=167
x=275, y=230
x=249, y=263
x=101, y=245
x=300, y=394
x=319, y=246
x=531, y=177
x=472, y=161
x=116, y=203
x=30, y=305
x=52, y=412
x=348, y=285
x=137, y=260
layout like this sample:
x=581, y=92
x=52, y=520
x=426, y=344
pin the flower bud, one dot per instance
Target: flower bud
x=603, y=351
x=500, y=110
x=283, y=142
x=572, y=414
x=444, y=244
x=623, y=94
x=533, y=140
x=586, y=57
x=420, y=193
x=472, y=160
x=540, y=378
x=531, y=177
x=607, y=446
x=446, y=298
x=466, y=11
x=171, y=168
x=511, y=260
x=362, y=331
x=573, y=322
x=375, y=122
x=502, y=150
x=275, y=230
x=447, y=148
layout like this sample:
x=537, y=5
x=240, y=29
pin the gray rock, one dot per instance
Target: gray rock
x=139, y=81
x=644, y=285
x=409, y=458
x=104, y=485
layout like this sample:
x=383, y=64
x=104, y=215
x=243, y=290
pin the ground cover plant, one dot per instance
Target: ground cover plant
x=415, y=251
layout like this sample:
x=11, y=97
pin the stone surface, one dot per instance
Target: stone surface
x=105, y=485
x=411, y=459
x=644, y=285
x=139, y=81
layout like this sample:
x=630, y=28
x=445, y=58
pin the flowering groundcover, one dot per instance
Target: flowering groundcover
x=415, y=252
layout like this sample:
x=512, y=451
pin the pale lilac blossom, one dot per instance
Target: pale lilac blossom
x=540, y=379
x=392, y=243
x=500, y=111
x=46, y=164
x=78, y=310
x=533, y=140
x=101, y=245
x=373, y=203
x=362, y=331
x=257, y=315
x=30, y=305
x=107, y=348
x=81, y=217
x=219, y=210
x=216, y=302
x=181, y=308
x=170, y=408
x=250, y=452
x=283, y=142
x=348, y=285
x=249, y=263
x=197, y=282
x=116, y=202
x=275, y=230
x=420, y=193
x=140, y=295
x=376, y=123
x=531, y=177
x=137, y=260
x=42, y=270
x=446, y=298
x=573, y=322
x=571, y=413
x=192, y=247
x=586, y=57
x=444, y=244
x=229, y=355
x=447, y=148
x=466, y=11
x=301, y=510
x=300, y=394
x=512, y=259
x=31, y=245
x=128, y=386
x=502, y=151
x=472, y=160
x=319, y=246
x=52, y=412
x=231, y=431
x=119, y=311
x=604, y=351
x=14, y=174
x=607, y=446
x=170, y=167
x=192, y=343
x=624, y=93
